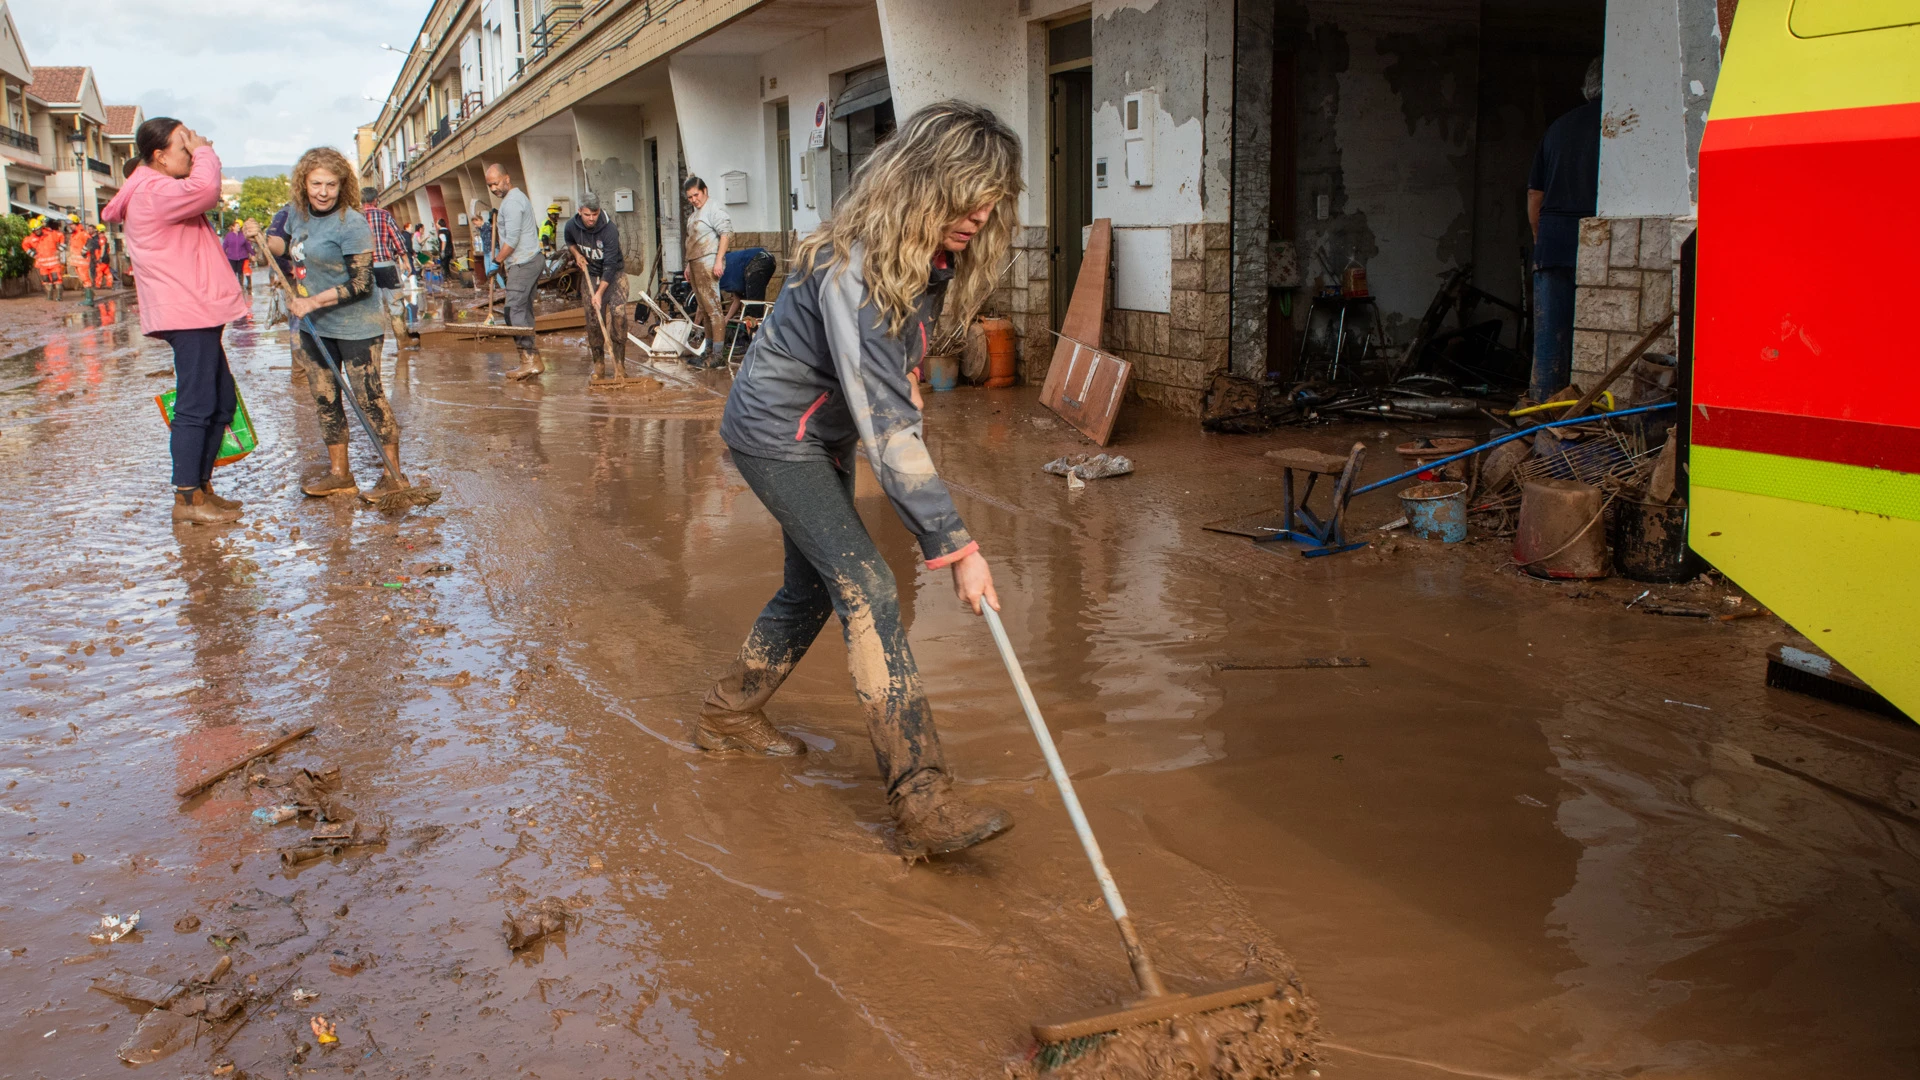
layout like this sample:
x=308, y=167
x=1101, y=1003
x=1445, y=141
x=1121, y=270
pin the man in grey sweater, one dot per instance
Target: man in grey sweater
x=517, y=249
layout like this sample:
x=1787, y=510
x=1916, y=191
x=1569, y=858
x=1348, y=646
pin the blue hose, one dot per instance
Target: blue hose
x=1507, y=438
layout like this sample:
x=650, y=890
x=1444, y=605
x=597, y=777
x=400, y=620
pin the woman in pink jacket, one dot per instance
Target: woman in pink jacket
x=187, y=295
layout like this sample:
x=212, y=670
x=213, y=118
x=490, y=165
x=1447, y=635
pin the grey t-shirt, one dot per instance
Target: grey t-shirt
x=518, y=229
x=318, y=246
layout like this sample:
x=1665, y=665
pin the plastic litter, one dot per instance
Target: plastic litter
x=274, y=815
x=1089, y=466
x=323, y=1030
x=302, y=995
x=114, y=927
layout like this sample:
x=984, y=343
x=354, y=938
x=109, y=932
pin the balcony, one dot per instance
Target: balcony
x=553, y=26
x=96, y=165
x=440, y=132
x=19, y=139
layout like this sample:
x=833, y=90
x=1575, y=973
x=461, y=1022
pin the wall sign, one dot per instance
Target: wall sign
x=817, y=138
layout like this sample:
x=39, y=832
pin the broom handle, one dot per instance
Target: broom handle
x=1143, y=969
x=273, y=264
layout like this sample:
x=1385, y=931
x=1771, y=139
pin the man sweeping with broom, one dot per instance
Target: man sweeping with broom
x=335, y=307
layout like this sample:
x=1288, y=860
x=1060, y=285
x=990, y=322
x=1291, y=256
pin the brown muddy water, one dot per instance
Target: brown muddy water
x=1542, y=835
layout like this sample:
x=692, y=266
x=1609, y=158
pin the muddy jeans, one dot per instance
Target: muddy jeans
x=832, y=568
x=359, y=360
x=614, y=303
x=706, y=290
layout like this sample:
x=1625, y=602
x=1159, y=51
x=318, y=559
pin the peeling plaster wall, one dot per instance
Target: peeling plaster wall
x=1388, y=113
x=1184, y=50
x=613, y=156
x=1645, y=167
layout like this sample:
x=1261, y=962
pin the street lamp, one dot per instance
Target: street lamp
x=79, y=140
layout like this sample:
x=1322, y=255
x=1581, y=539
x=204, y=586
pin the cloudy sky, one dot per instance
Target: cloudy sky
x=264, y=80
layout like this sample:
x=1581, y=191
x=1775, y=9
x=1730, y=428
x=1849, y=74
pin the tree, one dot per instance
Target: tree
x=261, y=197
x=14, y=262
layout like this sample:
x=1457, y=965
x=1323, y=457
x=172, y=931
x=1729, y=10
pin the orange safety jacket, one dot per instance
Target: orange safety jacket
x=45, y=248
x=77, y=252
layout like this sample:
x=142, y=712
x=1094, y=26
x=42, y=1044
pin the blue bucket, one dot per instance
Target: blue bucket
x=1437, y=511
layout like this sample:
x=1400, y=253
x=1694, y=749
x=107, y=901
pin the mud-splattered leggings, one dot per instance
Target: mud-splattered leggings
x=359, y=359
x=832, y=567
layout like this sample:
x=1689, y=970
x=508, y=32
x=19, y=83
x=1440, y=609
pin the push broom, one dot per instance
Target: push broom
x=404, y=493
x=1064, y=1038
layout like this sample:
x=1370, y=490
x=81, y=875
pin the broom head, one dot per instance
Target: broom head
x=1153, y=1009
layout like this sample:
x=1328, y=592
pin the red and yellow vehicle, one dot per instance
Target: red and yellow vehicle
x=1805, y=465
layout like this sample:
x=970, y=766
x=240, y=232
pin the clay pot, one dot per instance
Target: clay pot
x=1560, y=535
x=1000, y=353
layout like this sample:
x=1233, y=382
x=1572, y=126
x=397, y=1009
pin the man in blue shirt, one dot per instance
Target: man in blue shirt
x=1562, y=188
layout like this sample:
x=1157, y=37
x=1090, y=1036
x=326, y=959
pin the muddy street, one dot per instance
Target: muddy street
x=1539, y=835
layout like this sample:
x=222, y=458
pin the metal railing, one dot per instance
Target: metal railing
x=20, y=139
x=470, y=105
x=553, y=26
x=440, y=132
x=101, y=167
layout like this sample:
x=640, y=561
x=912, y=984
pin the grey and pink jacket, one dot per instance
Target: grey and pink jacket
x=823, y=374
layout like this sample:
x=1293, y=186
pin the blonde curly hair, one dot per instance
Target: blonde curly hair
x=946, y=161
x=327, y=159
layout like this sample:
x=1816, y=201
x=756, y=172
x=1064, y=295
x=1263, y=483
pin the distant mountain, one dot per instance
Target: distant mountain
x=241, y=172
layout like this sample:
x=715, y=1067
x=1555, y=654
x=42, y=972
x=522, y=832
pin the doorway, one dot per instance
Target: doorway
x=783, y=149
x=1069, y=155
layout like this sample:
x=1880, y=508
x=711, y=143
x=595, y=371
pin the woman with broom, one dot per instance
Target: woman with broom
x=331, y=249
x=187, y=296
x=930, y=216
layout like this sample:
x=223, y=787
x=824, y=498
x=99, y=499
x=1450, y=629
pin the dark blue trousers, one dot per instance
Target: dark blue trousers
x=1552, y=330
x=203, y=404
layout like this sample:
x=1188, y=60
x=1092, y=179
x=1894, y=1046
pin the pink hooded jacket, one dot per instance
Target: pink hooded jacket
x=179, y=271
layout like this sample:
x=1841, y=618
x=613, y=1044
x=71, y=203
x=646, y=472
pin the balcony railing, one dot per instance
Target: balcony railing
x=553, y=26
x=440, y=132
x=96, y=165
x=20, y=139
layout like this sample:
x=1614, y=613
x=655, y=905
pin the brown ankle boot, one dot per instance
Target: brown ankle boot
x=224, y=504
x=933, y=820
x=194, y=508
x=751, y=731
x=530, y=367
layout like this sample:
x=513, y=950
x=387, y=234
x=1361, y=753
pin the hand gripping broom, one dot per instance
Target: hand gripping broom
x=403, y=494
x=1064, y=1038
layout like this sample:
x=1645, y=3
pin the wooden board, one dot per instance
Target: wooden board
x=1086, y=312
x=1091, y=386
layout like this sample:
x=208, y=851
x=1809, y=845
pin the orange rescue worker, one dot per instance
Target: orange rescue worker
x=77, y=250
x=44, y=245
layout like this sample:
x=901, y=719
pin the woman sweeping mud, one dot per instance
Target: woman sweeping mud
x=928, y=217
x=331, y=249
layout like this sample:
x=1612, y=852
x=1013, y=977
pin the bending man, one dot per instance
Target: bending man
x=595, y=246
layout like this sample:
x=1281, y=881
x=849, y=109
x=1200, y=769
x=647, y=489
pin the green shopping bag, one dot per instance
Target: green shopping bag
x=237, y=442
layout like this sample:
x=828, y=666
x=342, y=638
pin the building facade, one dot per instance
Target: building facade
x=1245, y=153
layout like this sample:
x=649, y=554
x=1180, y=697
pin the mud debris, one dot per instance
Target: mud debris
x=549, y=917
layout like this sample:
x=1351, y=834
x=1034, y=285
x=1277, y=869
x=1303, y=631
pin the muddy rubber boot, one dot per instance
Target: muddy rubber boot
x=324, y=481
x=224, y=504
x=934, y=821
x=194, y=508
x=387, y=486
x=530, y=366
x=751, y=732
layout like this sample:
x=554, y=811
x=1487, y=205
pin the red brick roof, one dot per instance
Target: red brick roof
x=57, y=85
x=120, y=120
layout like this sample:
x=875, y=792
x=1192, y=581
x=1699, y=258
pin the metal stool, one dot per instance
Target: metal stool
x=1327, y=537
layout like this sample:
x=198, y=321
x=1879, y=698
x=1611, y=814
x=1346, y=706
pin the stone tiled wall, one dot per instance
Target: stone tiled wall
x=1175, y=353
x=1627, y=279
x=1026, y=297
